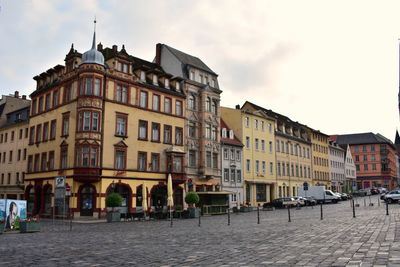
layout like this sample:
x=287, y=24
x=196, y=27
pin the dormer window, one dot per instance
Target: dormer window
x=192, y=75
x=123, y=67
x=206, y=79
x=177, y=85
x=155, y=79
x=223, y=132
x=231, y=134
x=142, y=76
x=213, y=83
x=166, y=83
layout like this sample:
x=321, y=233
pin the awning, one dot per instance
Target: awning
x=214, y=193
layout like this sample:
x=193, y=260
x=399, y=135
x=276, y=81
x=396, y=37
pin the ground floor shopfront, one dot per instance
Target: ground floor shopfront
x=377, y=181
x=12, y=192
x=259, y=192
x=88, y=198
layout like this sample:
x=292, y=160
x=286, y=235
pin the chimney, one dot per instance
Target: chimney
x=24, y=97
x=237, y=106
x=16, y=94
x=115, y=48
x=99, y=47
x=158, y=54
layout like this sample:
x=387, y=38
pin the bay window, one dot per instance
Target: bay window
x=89, y=121
x=90, y=86
x=87, y=156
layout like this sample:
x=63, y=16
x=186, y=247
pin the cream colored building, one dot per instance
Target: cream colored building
x=256, y=131
x=13, y=146
x=108, y=122
x=320, y=158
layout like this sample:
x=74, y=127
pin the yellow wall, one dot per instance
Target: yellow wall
x=320, y=153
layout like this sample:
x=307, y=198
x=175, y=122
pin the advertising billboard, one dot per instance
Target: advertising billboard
x=2, y=209
x=15, y=212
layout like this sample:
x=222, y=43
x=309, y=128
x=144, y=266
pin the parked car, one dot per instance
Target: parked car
x=281, y=202
x=382, y=190
x=392, y=196
x=383, y=195
x=300, y=201
x=310, y=201
x=374, y=191
x=344, y=196
x=362, y=192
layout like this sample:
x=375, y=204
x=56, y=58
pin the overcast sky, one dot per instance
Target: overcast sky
x=332, y=65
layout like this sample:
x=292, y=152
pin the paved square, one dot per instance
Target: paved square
x=370, y=239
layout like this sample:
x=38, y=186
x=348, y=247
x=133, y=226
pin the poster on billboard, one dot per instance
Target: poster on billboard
x=2, y=209
x=15, y=212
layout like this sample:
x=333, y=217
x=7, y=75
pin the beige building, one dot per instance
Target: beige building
x=14, y=119
x=256, y=131
x=108, y=122
x=320, y=158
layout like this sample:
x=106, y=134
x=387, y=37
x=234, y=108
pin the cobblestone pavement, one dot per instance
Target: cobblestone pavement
x=370, y=239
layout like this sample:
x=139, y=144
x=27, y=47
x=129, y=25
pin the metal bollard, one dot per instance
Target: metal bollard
x=288, y=209
x=354, y=210
x=379, y=202
x=229, y=217
x=387, y=208
x=322, y=213
x=199, y=220
x=365, y=204
x=258, y=214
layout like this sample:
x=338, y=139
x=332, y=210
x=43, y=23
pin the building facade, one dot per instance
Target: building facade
x=256, y=131
x=337, y=167
x=231, y=159
x=108, y=122
x=13, y=145
x=202, y=124
x=374, y=158
x=350, y=171
x=320, y=158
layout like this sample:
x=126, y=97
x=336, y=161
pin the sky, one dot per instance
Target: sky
x=331, y=65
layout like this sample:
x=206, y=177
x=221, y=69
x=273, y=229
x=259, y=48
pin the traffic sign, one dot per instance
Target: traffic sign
x=305, y=186
x=60, y=181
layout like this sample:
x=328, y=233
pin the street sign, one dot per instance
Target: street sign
x=67, y=190
x=305, y=186
x=60, y=181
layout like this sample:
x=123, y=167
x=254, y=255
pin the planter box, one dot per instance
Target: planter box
x=246, y=209
x=29, y=227
x=269, y=208
x=113, y=216
x=194, y=212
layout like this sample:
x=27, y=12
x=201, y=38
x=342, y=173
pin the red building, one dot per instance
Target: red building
x=375, y=158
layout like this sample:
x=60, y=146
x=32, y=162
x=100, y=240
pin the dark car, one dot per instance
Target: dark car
x=281, y=202
x=374, y=191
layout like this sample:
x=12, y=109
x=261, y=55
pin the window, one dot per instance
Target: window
x=214, y=133
x=192, y=75
x=226, y=156
x=34, y=107
x=87, y=156
x=356, y=149
x=65, y=124
x=365, y=167
x=156, y=102
x=238, y=176
x=53, y=125
x=51, y=161
x=142, y=161
x=90, y=87
x=167, y=134
x=233, y=174
x=30, y=163
x=38, y=133
x=256, y=124
x=226, y=175
x=192, y=129
x=232, y=154
x=215, y=160
x=208, y=131
x=40, y=108
x=12, y=136
x=373, y=158
x=177, y=164
x=192, y=102
x=256, y=143
x=121, y=94
x=208, y=159
x=364, y=148
x=263, y=145
x=365, y=158
x=19, y=155
x=167, y=105
x=123, y=67
x=262, y=126
x=167, y=83
x=192, y=158
x=178, y=108
x=89, y=121
x=357, y=167
x=357, y=158
x=67, y=93
x=142, y=130
x=121, y=127
x=208, y=104
x=374, y=166
x=155, y=79
x=372, y=148
x=246, y=121
x=143, y=99
x=155, y=162
x=247, y=142
x=32, y=135
x=257, y=166
x=142, y=76
x=24, y=154
x=270, y=147
x=120, y=158
x=155, y=132
x=47, y=102
x=238, y=155
x=178, y=136
x=64, y=157
x=45, y=131
x=21, y=131
x=56, y=98
x=44, y=162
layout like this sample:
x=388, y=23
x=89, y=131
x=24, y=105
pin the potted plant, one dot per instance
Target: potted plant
x=192, y=198
x=30, y=225
x=113, y=200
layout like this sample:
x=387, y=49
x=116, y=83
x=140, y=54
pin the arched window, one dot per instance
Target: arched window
x=192, y=102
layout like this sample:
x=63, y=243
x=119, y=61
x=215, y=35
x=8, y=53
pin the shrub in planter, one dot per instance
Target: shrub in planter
x=192, y=198
x=113, y=200
x=29, y=225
